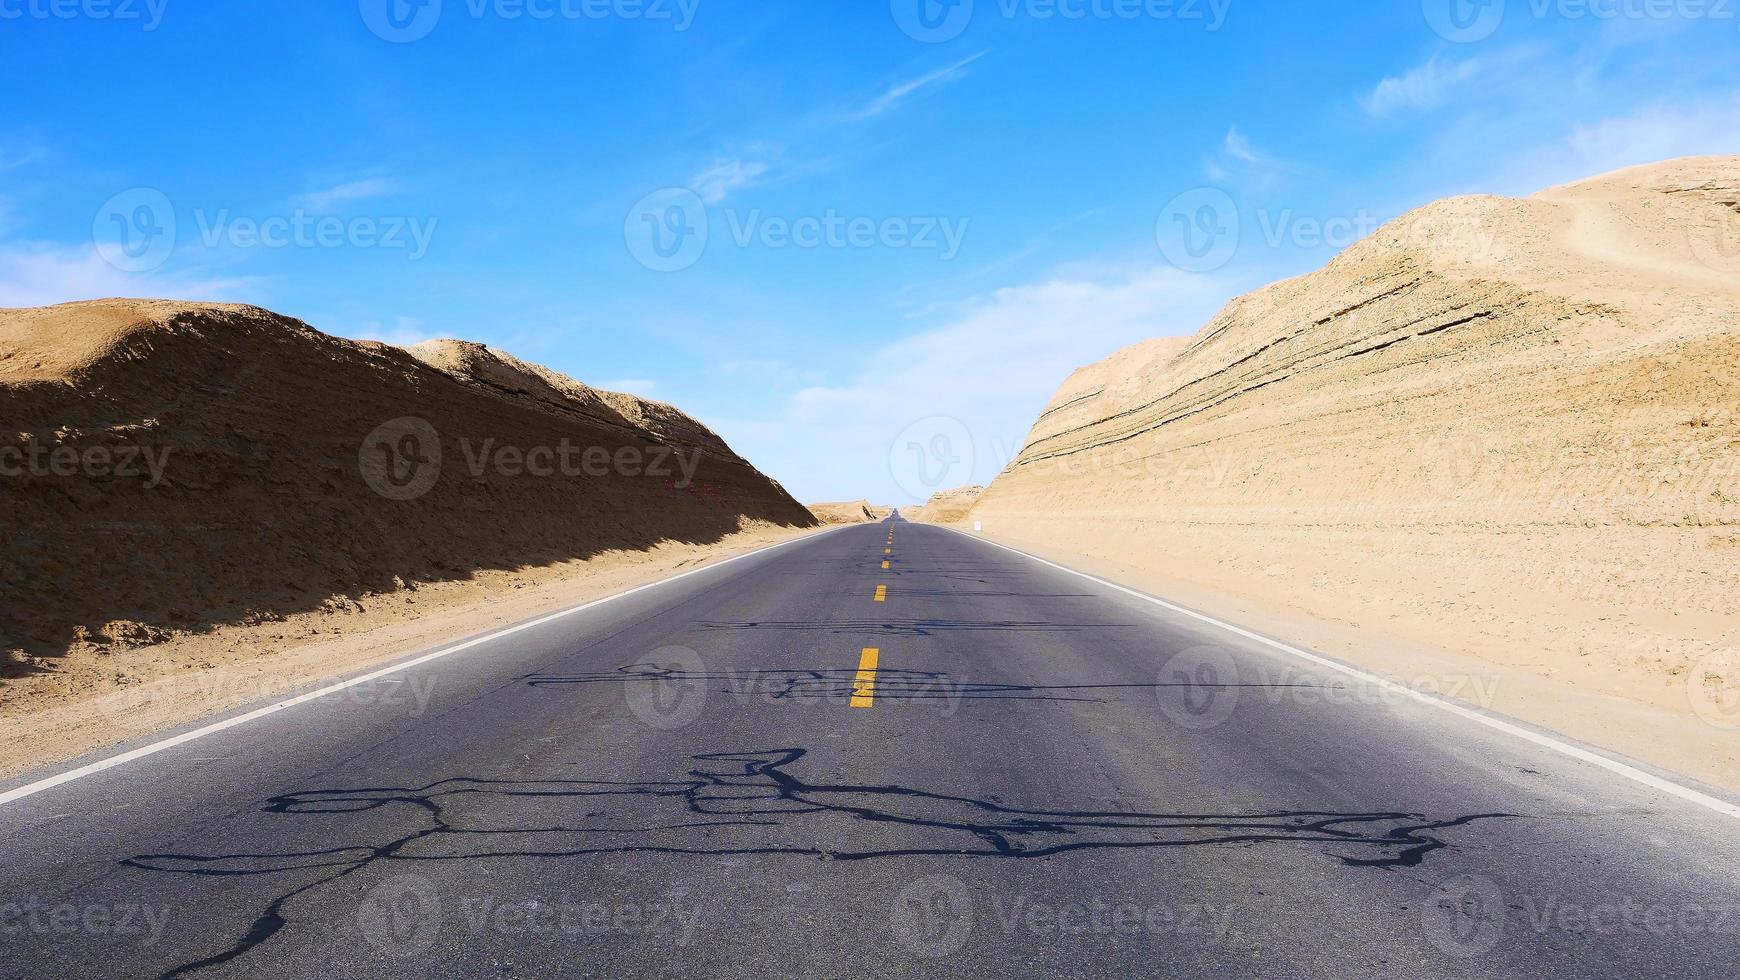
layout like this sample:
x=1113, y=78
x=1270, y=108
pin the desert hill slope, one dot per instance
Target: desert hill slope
x=1508, y=427
x=849, y=512
x=271, y=468
x=946, y=506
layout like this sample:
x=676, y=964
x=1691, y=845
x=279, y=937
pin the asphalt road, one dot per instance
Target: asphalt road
x=1033, y=775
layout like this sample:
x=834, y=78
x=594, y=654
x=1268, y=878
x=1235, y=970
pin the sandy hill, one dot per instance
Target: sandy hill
x=849, y=512
x=1508, y=426
x=174, y=466
x=946, y=506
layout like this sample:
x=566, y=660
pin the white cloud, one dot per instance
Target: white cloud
x=727, y=174
x=42, y=275
x=1238, y=147
x=404, y=331
x=1429, y=86
x=13, y=159
x=1659, y=132
x=743, y=167
x=639, y=387
x=350, y=192
x=1648, y=135
x=901, y=92
x=1239, y=162
x=993, y=367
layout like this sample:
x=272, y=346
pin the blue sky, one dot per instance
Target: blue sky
x=916, y=220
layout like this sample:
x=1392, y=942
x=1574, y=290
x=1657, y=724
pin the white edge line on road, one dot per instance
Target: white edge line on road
x=1614, y=766
x=101, y=765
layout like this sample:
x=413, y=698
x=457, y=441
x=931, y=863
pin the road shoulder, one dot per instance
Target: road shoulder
x=1676, y=742
x=191, y=677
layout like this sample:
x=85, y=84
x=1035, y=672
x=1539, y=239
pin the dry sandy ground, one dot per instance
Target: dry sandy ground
x=101, y=698
x=1658, y=715
x=849, y=512
x=946, y=506
x=1499, y=438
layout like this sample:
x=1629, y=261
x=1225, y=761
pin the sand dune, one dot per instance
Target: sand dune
x=1503, y=427
x=946, y=506
x=849, y=512
x=272, y=469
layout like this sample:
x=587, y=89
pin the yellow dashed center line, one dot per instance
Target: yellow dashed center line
x=864, y=687
x=884, y=566
x=882, y=593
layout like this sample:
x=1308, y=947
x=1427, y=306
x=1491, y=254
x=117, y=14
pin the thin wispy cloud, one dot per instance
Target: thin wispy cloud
x=725, y=175
x=350, y=192
x=1238, y=147
x=639, y=387
x=403, y=331
x=1238, y=161
x=740, y=169
x=13, y=158
x=1426, y=87
x=905, y=90
x=991, y=365
x=34, y=274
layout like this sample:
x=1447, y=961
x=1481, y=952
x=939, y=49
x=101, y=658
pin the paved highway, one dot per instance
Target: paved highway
x=882, y=751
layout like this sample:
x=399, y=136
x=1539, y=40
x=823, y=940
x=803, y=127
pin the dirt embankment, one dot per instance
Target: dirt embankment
x=946, y=506
x=1504, y=428
x=167, y=469
x=849, y=512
